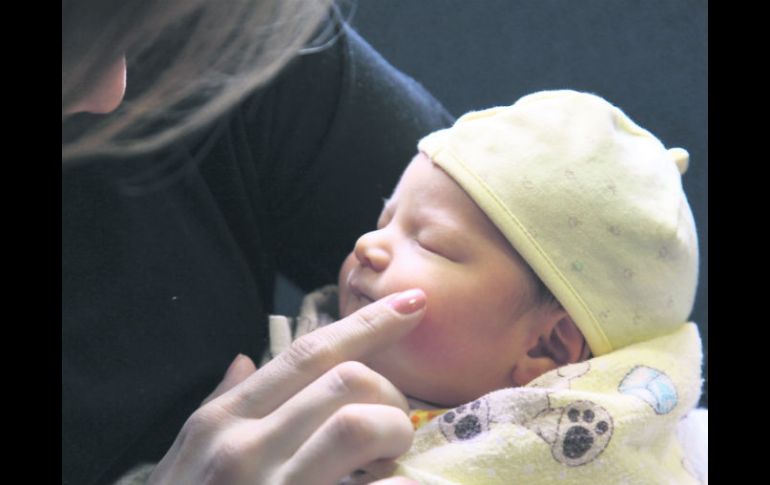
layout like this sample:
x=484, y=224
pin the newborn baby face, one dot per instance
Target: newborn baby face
x=480, y=316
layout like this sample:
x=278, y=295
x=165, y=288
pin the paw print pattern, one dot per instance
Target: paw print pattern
x=582, y=432
x=465, y=422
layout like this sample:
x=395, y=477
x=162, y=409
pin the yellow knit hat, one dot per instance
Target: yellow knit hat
x=593, y=202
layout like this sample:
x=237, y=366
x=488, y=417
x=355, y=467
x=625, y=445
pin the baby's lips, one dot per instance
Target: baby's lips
x=356, y=291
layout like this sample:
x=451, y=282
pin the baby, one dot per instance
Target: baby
x=542, y=233
x=490, y=325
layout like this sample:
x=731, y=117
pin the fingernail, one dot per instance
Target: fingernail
x=408, y=302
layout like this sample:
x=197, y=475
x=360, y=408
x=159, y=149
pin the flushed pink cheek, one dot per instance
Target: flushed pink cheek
x=429, y=345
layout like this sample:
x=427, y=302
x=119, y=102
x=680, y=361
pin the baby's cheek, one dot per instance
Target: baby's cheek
x=421, y=339
x=433, y=344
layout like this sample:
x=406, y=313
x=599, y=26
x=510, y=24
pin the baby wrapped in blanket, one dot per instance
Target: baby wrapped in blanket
x=559, y=256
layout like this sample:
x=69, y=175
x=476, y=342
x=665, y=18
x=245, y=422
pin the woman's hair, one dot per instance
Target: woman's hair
x=193, y=60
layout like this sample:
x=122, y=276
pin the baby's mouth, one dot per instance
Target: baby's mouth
x=356, y=292
x=361, y=296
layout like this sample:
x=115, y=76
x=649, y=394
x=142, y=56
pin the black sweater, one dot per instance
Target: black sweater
x=167, y=276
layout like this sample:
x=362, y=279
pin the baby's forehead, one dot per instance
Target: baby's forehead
x=426, y=186
x=433, y=196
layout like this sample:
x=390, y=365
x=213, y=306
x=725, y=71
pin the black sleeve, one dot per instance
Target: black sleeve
x=359, y=120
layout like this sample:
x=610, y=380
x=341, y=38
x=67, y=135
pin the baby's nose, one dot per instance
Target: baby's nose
x=372, y=251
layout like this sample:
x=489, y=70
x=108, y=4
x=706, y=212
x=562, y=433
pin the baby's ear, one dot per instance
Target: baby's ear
x=559, y=343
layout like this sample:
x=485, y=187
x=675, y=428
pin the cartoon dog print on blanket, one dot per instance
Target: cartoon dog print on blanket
x=577, y=433
x=465, y=422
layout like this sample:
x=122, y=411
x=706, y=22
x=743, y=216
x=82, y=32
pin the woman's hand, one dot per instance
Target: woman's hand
x=312, y=415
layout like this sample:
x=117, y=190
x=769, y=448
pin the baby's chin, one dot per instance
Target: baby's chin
x=390, y=365
x=434, y=397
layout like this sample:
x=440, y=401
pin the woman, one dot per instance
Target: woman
x=236, y=150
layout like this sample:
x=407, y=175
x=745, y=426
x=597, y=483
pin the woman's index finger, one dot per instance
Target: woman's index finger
x=368, y=330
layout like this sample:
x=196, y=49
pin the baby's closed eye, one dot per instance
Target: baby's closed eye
x=438, y=243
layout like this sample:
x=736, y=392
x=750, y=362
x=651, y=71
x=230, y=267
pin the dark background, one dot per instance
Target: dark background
x=647, y=57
